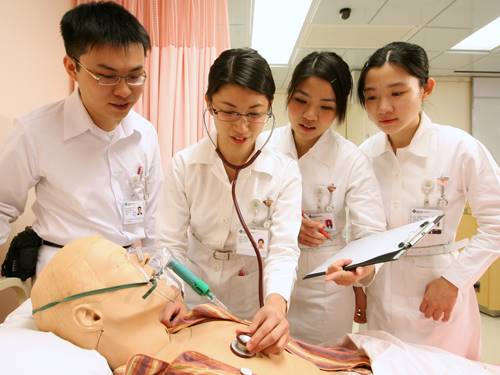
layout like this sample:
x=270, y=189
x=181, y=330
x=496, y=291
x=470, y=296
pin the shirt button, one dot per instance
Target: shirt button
x=225, y=220
x=396, y=204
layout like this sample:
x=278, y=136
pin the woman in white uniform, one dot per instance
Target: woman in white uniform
x=198, y=220
x=336, y=177
x=424, y=169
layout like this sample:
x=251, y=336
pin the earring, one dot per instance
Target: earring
x=99, y=339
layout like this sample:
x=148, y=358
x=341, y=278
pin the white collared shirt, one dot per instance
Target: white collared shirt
x=443, y=151
x=197, y=196
x=335, y=160
x=81, y=174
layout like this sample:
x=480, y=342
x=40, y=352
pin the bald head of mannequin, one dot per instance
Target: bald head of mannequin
x=117, y=323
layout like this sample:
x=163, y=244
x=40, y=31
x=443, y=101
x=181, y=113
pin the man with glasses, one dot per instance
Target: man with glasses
x=94, y=163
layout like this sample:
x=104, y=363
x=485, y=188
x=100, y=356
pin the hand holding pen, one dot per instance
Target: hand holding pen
x=312, y=233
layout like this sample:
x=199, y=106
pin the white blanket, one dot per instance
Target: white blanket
x=25, y=350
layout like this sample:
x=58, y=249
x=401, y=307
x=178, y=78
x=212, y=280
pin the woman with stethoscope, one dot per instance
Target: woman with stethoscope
x=336, y=177
x=198, y=221
x=425, y=169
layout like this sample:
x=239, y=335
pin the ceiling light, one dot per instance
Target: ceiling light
x=484, y=39
x=276, y=27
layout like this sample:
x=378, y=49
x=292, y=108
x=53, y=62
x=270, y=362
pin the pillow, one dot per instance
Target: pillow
x=389, y=355
x=25, y=350
x=21, y=317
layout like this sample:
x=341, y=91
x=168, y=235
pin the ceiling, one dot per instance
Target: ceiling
x=436, y=25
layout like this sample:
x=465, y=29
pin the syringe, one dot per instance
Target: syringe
x=196, y=283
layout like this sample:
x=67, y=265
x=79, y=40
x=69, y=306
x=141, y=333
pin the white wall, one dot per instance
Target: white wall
x=486, y=113
x=32, y=75
x=449, y=104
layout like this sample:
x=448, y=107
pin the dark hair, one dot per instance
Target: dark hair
x=243, y=67
x=410, y=57
x=330, y=67
x=99, y=23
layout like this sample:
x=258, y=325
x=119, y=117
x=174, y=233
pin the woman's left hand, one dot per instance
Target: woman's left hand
x=270, y=329
x=439, y=299
x=336, y=273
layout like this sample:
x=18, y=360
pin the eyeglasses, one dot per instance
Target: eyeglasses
x=153, y=281
x=112, y=80
x=233, y=116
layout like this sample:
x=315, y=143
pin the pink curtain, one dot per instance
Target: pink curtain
x=186, y=36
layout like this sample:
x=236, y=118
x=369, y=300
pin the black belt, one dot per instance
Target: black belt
x=52, y=244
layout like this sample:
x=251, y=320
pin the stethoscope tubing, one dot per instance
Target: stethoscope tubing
x=237, y=169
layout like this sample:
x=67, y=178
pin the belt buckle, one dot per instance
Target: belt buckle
x=221, y=255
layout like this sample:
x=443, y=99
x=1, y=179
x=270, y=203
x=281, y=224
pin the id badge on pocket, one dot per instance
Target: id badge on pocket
x=133, y=212
x=244, y=246
x=417, y=214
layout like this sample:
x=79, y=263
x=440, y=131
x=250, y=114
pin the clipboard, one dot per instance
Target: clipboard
x=381, y=247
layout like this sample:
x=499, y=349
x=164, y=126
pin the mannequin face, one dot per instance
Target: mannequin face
x=131, y=323
x=119, y=323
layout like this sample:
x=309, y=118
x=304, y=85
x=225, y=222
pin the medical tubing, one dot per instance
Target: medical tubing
x=249, y=235
x=197, y=284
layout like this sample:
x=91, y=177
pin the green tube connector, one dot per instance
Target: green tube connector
x=197, y=284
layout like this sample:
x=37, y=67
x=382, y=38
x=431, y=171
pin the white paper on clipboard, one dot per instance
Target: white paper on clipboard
x=380, y=247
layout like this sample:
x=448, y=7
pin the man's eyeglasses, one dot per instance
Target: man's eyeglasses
x=112, y=80
x=233, y=116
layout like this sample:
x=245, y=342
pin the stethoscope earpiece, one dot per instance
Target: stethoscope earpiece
x=239, y=346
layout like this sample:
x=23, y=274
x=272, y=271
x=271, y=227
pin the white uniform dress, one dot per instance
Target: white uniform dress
x=83, y=176
x=322, y=312
x=441, y=169
x=199, y=225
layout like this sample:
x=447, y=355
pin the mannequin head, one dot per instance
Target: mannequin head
x=116, y=323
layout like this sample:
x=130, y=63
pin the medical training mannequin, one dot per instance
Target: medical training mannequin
x=198, y=222
x=336, y=177
x=120, y=324
x=427, y=297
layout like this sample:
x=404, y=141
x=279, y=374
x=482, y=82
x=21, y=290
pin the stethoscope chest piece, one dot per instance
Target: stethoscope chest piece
x=239, y=346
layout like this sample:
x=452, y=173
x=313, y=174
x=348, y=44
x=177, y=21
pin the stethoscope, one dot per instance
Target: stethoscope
x=237, y=169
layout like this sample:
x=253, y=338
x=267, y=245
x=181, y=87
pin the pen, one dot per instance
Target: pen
x=425, y=227
x=320, y=230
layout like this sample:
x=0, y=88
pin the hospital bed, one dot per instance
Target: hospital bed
x=25, y=350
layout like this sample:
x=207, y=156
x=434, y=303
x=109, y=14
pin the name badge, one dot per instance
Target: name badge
x=133, y=212
x=244, y=246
